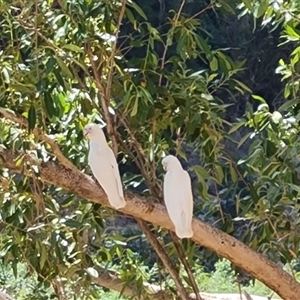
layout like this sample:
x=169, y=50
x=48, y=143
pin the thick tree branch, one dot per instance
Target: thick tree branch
x=224, y=245
x=110, y=280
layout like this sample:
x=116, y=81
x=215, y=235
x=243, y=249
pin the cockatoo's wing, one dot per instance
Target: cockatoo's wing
x=105, y=168
x=116, y=172
x=188, y=203
x=179, y=201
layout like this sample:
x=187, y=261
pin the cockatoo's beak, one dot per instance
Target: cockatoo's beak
x=86, y=133
x=164, y=167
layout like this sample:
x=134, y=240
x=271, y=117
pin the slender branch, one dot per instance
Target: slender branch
x=40, y=136
x=154, y=188
x=104, y=101
x=186, y=265
x=163, y=60
x=163, y=256
x=211, y=5
x=113, y=52
x=165, y=259
x=110, y=279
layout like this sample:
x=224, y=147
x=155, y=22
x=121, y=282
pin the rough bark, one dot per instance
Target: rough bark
x=239, y=254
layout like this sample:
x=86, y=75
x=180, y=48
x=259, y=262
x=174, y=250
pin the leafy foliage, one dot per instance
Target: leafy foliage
x=160, y=89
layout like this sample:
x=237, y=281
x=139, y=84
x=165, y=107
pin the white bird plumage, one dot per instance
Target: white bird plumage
x=178, y=196
x=104, y=165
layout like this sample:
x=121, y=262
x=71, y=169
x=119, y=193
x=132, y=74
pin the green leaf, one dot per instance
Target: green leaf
x=130, y=16
x=64, y=68
x=203, y=188
x=6, y=75
x=200, y=172
x=244, y=138
x=243, y=86
x=138, y=10
x=43, y=256
x=72, y=223
x=214, y=64
x=219, y=174
x=19, y=87
x=233, y=173
x=49, y=104
x=31, y=118
x=261, y=9
x=236, y=126
x=290, y=31
x=135, y=107
x=259, y=98
x=59, y=79
x=288, y=104
x=211, y=77
x=248, y=4
x=72, y=47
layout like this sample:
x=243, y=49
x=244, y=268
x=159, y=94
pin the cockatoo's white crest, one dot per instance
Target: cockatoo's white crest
x=104, y=165
x=178, y=196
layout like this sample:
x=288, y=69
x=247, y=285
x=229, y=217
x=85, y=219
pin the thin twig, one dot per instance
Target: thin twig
x=113, y=52
x=165, y=259
x=163, y=60
x=104, y=101
x=278, y=239
x=40, y=136
x=141, y=155
x=202, y=11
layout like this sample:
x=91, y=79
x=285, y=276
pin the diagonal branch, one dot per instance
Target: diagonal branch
x=104, y=100
x=165, y=259
x=109, y=279
x=111, y=61
x=239, y=254
x=39, y=135
x=186, y=265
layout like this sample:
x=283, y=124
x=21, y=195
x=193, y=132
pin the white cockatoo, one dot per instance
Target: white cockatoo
x=178, y=196
x=104, y=165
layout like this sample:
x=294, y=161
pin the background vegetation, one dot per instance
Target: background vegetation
x=216, y=83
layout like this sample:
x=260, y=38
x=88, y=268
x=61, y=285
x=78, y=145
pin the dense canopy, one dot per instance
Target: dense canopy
x=215, y=83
